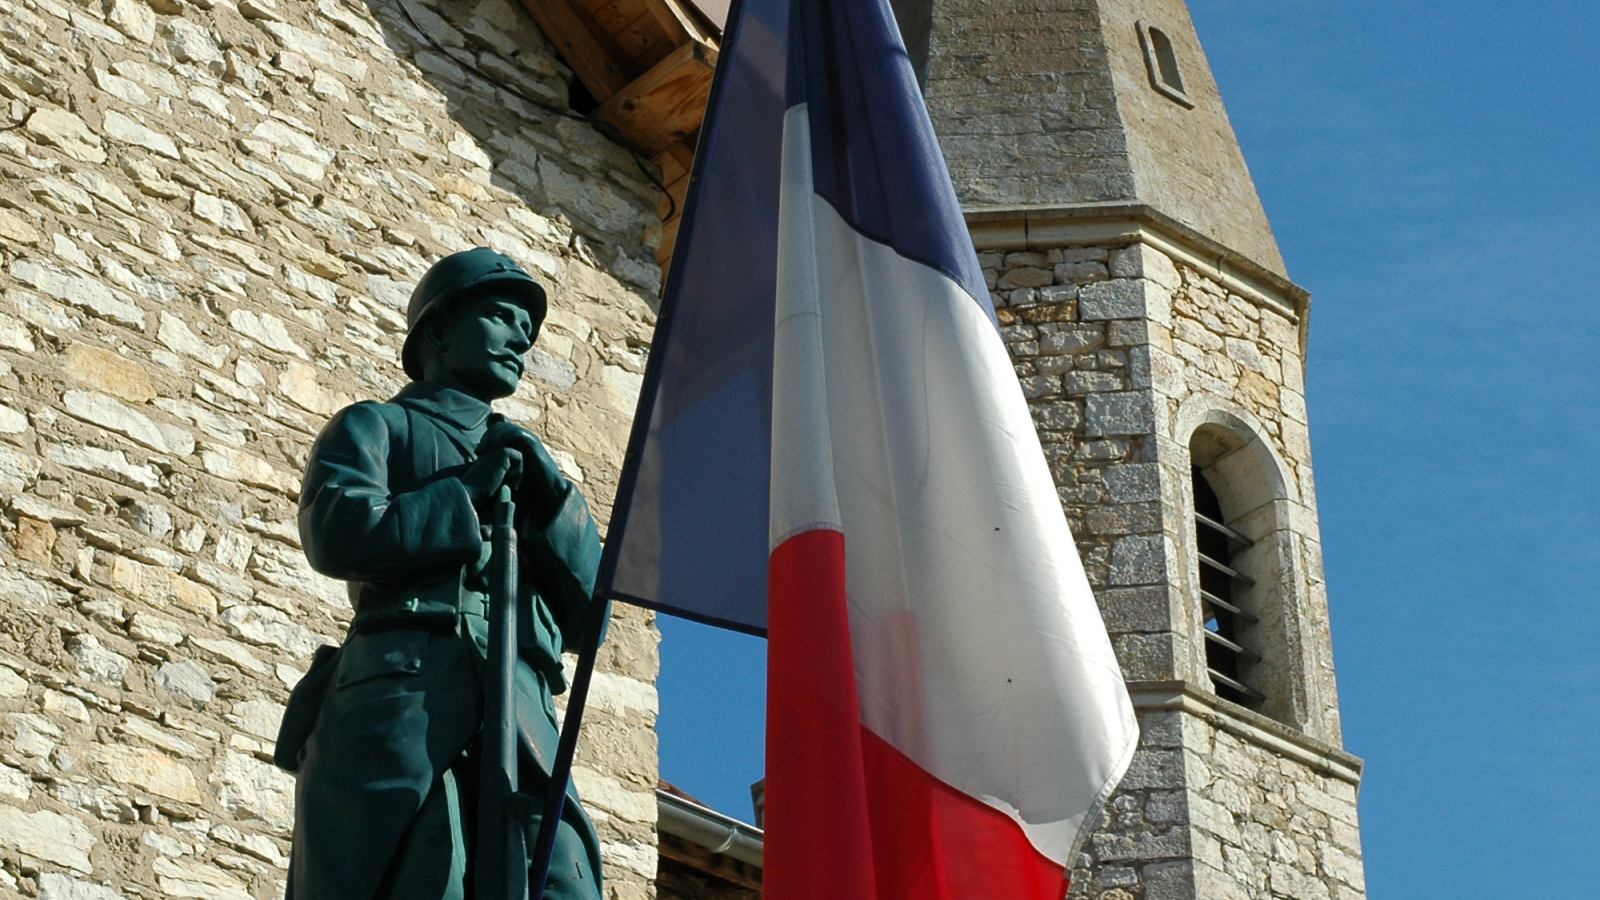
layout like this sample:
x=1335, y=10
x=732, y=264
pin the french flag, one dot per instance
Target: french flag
x=832, y=449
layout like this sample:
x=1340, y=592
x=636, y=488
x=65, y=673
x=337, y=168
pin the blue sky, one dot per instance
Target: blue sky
x=1432, y=172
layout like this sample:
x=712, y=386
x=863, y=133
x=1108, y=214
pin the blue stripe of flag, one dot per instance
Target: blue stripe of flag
x=688, y=533
x=874, y=155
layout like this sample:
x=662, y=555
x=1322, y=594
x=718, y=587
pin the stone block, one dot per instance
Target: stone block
x=223, y=213
x=299, y=383
x=1144, y=261
x=146, y=627
x=1154, y=769
x=16, y=230
x=1160, y=728
x=125, y=130
x=1070, y=339
x=67, y=133
x=250, y=788
x=1080, y=273
x=1132, y=483
x=320, y=50
x=1293, y=405
x=11, y=421
x=233, y=465
x=1139, y=559
x=1288, y=881
x=133, y=18
x=11, y=684
x=1344, y=866
x=198, y=880
x=1280, y=332
x=1041, y=386
x=56, y=886
x=1058, y=294
x=79, y=290
x=184, y=677
x=1169, y=844
x=112, y=415
x=1145, y=657
x=34, y=540
x=1087, y=382
x=268, y=627
x=158, y=584
x=96, y=661
x=1024, y=277
x=1141, y=609
x=144, y=770
x=231, y=652
x=49, y=836
x=1125, y=298
x=1126, y=413
x=1057, y=415
x=1130, y=518
x=1168, y=881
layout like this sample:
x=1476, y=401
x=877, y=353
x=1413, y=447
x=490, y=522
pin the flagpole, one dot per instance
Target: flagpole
x=556, y=794
x=600, y=603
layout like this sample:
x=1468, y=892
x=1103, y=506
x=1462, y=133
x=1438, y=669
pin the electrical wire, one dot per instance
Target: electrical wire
x=605, y=128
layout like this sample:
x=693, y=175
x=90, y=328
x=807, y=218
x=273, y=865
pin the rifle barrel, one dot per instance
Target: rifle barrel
x=501, y=871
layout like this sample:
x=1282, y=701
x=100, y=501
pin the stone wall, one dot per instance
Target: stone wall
x=1137, y=360
x=1066, y=143
x=211, y=215
x=1123, y=354
x=1224, y=805
x=1266, y=825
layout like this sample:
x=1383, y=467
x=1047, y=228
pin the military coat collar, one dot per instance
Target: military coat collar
x=461, y=411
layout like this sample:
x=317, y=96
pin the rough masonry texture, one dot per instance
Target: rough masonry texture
x=1123, y=355
x=211, y=215
x=1146, y=308
x=1048, y=102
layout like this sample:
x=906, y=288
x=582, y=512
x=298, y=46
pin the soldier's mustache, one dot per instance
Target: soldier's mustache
x=514, y=359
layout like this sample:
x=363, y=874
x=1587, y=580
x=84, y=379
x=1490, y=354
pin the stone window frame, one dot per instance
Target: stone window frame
x=1163, y=67
x=1257, y=478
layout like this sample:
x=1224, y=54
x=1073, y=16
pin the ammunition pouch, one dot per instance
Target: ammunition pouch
x=305, y=704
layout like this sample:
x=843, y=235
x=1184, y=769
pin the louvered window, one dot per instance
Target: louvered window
x=1227, y=659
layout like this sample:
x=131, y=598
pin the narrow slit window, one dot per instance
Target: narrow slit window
x=1222, y=619
x=1166, y=60
x=1162, y=60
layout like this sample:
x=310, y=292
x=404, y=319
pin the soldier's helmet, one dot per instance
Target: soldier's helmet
x=456, y=276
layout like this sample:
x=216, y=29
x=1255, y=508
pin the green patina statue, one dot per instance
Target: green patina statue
x=384, y=734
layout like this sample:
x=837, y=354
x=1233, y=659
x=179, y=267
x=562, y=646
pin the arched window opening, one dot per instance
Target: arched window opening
x=1162, y=60
x=1223, y=620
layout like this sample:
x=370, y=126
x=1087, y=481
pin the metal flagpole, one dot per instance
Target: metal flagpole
x=556, y=796
x=502, y=862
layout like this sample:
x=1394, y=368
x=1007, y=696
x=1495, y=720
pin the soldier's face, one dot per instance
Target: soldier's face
x=477, y=346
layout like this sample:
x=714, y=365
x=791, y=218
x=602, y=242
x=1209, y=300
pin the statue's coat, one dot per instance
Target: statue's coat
x=382, y=508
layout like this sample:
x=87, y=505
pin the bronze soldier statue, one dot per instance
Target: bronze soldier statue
x=384, y=734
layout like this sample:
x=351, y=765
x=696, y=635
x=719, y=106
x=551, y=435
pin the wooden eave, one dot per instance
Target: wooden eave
x=649, y=64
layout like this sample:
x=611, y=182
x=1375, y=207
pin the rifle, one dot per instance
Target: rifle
x=502, y=861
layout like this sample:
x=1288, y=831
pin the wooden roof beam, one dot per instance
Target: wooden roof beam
x=666, y=103
x=592, y=58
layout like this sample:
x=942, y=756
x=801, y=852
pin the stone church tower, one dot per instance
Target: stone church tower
x=1161, y=344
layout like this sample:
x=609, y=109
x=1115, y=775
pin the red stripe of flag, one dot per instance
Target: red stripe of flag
x=846, y=811
x=818, y=843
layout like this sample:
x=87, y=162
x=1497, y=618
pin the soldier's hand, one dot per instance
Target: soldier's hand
x=496, y=467
x=542, y=481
